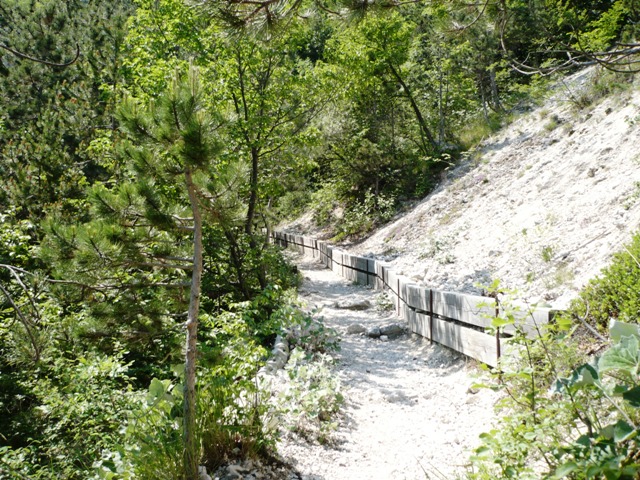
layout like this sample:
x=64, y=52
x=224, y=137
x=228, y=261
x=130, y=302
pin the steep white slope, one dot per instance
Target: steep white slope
x=541, y=208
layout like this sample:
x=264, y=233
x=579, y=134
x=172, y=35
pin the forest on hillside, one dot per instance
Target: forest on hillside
x=147, y=147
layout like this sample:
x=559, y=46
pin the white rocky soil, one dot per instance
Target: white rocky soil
x=410, y=412
x=540, y=207
x=410, y=406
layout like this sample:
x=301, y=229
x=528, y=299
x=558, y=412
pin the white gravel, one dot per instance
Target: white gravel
x=409, y=407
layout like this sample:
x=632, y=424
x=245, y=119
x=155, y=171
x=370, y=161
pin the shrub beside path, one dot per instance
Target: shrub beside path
x=409, y=411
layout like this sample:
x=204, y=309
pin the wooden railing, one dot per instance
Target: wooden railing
x=456, y=320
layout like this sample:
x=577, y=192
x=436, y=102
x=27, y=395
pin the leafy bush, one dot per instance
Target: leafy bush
x=324, y=202
x=152, y=445
x=312, y=398
x=234, y=416
x=559, y=421
x=305, y=332
x=615, y=293
x=77, y=408
x=361, y=217
x=608, y=446
x=293, y=203
x=233, y=412
x=531, y=422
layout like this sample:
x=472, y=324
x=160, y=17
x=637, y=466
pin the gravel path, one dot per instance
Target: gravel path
x=409, y=411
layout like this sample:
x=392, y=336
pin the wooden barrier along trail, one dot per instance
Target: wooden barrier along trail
x=456, y=320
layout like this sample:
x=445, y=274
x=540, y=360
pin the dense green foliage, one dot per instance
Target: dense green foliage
x=107, y=160
x=565, y=415
x=615, y=293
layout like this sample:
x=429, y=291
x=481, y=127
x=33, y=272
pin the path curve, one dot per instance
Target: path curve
x=409, y=407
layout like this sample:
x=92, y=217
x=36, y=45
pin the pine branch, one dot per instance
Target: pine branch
x=24, y=56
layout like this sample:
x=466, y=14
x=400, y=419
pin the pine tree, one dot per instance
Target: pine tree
x=146, y=232
x=175, y=142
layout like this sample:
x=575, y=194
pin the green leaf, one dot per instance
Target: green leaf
x=582, y=376
x=501, y=322
x=178, y=370
x=623, y=431
x=608, y=432
x=564, y=323
x=618, y=330
x=584, y=440
x=156, y=389
x=622, y=356
x=563, y=470
x=592, y=472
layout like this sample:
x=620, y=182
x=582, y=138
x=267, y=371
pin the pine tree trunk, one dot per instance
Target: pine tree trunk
x=251, y=214
x=253, y=191
x=191, y=449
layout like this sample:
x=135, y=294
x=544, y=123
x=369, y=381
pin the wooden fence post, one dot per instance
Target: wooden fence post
x=497, y=328
x=430, y=316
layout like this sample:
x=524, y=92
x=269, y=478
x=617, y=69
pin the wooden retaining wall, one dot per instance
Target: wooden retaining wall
x=456, y=320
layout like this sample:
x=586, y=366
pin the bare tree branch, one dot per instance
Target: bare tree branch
x=25, y=322
x=24, y=56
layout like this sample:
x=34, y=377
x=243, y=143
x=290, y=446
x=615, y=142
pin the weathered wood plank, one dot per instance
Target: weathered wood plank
x=371, y=265
x=361, y=263
x=418, y=297
x=371, y=272
x=350, y=261
x=418, y=322
x=362, y=278
x=404, y=283
x=336, y=261
x=391, y=279
x=349, y=273
x=320, y=251
x=380, y=268
x=471, y=309
x=529, y=321
x=472, y=343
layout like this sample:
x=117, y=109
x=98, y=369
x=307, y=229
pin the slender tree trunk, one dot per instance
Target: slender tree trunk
x=253, y=192
x=251, y=214
x=191, y=449
x=440, y=104
x=416, y=110
x=494, y=91
x=236, y=261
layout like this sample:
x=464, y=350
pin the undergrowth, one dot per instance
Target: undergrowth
x=615, y=293
x=566, y=413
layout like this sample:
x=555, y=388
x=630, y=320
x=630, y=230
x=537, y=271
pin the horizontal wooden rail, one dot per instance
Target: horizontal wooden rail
x=456, y=320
